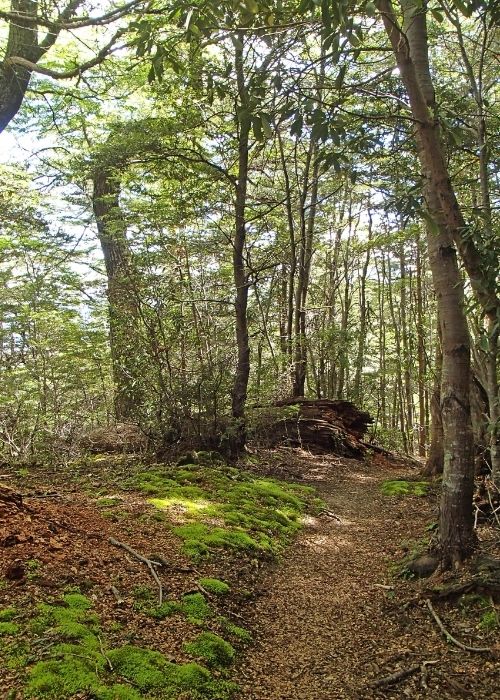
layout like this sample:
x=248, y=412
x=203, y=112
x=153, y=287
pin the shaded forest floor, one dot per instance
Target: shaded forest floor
x=328, y=618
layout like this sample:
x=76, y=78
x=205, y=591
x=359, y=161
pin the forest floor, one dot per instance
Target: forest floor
x=329, y=618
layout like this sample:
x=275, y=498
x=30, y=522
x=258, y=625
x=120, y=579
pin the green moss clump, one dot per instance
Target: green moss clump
x=108, y=501
x=195, y=607
x=224, y=507
x=239, y=633
x=7, y=614
x=404, y=488
x=191, y=677
x=200, y=539
x=215, y=586
x=146, y=669
x=214, y=650
x=77, y=601
x=62, y=678
x=166, y=609
x=8, y=629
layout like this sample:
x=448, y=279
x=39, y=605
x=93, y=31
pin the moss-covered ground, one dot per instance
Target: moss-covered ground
x=220, y=507
x=63, y=634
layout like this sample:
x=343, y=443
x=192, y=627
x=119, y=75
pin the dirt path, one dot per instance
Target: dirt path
x=325, y=627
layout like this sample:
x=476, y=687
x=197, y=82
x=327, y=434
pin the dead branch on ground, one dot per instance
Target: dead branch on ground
x=450, y=637
x=150, y=564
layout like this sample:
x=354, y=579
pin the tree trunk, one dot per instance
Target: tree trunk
x=112, y=230
x=239, y=394
x=456, y=533
x=435, y=459
x=422, y=432
x=23, y=42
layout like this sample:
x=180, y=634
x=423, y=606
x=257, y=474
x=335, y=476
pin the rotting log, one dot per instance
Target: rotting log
x=330, y=425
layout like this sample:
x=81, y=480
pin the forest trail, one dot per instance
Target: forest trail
x=324, y=628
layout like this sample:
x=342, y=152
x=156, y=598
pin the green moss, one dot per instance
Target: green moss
x=146, y=669
x=200, y=539
x=16, y=652
x=238, y=633
x=191, y=677
x=118, y=692
x=195, y=607
x=166, y=609
x=142, y=593
x=215, y=586
x=7, y=614
x=489, y=621
x=404, y=488
x=8, y=628
x=225, y=508
x=77, y=601
x=107, y=501
x=214, y=650
x=62, y=678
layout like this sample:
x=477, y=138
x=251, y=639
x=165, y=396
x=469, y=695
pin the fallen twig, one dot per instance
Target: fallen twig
x=395, y=677
x=117, y=595
x=449, y=637
x=144, y=560
x=108, y=660
x=330, y=514
x=423, y=673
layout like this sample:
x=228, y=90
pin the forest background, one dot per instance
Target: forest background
x=183, y=176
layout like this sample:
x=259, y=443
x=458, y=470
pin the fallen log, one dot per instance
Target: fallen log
x=331, y=425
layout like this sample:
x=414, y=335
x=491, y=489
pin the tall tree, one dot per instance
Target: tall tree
x=410, y=46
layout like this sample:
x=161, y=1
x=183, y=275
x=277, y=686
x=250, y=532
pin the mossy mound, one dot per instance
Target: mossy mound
x=214, y=650
x=405, y=488
x=223, y=507
x=79, y=662
x=215, y=586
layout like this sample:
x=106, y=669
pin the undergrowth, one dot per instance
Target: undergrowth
x=218, y=506
x=76, y=661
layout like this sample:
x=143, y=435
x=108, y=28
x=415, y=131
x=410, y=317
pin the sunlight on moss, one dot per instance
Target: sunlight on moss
x=188, y=506
x=225, y=508
x=404, y=488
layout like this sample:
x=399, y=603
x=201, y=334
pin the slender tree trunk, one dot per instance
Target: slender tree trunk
x=422, y=432
x=406, y=358
x=360, y=358
x=240, y=386
x=435, y=459
x=456, y=534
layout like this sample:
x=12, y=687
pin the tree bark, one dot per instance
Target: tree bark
x=456, y=533
x=435, y=459
x=23, y=43
x=240, y=386
x=112, y=231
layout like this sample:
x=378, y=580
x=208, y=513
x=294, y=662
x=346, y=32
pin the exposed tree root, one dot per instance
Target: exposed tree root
x=449, y=637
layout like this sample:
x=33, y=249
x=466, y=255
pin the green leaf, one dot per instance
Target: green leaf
x=266, y=126
x=257, y=127
x=252, y=6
